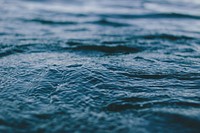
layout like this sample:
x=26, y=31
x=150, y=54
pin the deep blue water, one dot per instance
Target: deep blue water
x=100, y=66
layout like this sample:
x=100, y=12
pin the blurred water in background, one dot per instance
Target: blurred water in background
x=100, y=66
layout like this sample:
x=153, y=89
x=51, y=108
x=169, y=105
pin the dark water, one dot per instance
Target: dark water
x=100, y=66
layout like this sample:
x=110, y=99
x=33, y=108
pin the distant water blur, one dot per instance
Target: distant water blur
x=100, y=66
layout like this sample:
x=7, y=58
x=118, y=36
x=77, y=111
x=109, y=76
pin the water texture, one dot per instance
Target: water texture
x=124, y=66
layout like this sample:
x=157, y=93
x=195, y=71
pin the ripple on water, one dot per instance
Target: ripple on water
x=99, y=66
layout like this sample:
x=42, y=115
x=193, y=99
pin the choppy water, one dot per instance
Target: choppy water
x=100, y=66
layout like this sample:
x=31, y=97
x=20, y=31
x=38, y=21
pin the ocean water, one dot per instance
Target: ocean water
x=100, y=66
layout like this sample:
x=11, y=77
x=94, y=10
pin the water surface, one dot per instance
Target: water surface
x=100, y=66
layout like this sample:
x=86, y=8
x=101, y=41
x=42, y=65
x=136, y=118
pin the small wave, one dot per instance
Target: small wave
x=147, y=76
x=115, y=107
x=152, y=16
x=50, y=22
x=73, y=47
x=29, y=48
x=9, y=51
x=113, y=42
x=184, y=76
x=140, y=103
x=108, y=49
x=3, y=33
x=134, y=99
x=169, y=37
x=105, y=22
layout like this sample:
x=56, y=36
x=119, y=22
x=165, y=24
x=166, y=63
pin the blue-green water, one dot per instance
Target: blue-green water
x=100, y=66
